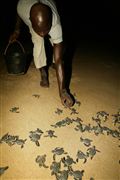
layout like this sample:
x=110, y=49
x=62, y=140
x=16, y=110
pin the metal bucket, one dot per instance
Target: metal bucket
x=15, y=58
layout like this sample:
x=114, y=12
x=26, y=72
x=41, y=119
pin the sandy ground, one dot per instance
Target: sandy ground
x=95, y=84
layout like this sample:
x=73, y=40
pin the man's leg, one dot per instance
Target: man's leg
x=40, y=57
x=44, y=77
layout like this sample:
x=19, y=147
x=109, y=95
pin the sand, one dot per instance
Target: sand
x=95, y=84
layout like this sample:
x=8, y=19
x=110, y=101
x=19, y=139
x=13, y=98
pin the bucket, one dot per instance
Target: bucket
x=15, y=58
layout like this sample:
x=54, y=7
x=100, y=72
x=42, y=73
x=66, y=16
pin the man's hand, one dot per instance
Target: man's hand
x=14, y=36
x=66, y=99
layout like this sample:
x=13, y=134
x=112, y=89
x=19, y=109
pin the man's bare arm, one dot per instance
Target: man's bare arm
x=58, y=55
x=14, y=36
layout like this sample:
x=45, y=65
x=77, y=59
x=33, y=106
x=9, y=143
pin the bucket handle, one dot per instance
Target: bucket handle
x=11, y=43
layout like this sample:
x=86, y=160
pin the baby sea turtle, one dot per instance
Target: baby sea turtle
x=50, y=134
x=86, y=127
x=73, y=111
x=14, y=109
x=106, y=129
x=59, y=111
x=115, y=133
x=58, y=151
x=79, y=127
x=11, y=140
x=68, y=161
x=55, y=167
x=78, y=120
x=86, y=141
x=63, y=175
x=77, y=174
x=68, y=121
x=4, y=138
x=92, y=151
x=81, y=155
x=41, y=160
x=21, y=142
x=62, y=123
x=83, y=127
x=59, y=124
x=116, y=118
x=38, y=131
x=36, y=95
x=98, y=129
x=35, y=136
x=100, y=116
x=3, y=169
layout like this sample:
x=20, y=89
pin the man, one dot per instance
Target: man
x=42, y=18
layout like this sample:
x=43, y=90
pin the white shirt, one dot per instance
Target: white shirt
x=23, y=10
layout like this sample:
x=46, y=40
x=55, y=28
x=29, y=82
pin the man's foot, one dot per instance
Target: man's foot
x=67, y=99
x=44, y=77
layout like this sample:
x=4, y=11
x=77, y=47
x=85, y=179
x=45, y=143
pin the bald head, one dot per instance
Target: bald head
x=41, y=18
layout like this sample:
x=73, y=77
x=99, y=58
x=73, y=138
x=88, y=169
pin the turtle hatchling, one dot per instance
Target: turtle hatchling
x=50, y=134
x=41, y=160
x=73, y=111
x=59, y=111
x=36, y=95
x=68, y=161
x=15, y=109
x=4, y=138
x=21, y=142
x=58, y=151
x=77, y=174
x=98, y=129
x=35, y=136
x=55, y=167
x=116, y=118
x=100, y=116
x=63, y=175
x=81, y=155
x=86, y=141
x=92, y=151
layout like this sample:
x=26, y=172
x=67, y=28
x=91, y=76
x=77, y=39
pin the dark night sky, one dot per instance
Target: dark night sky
x=82, y=12
x=83, y=18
